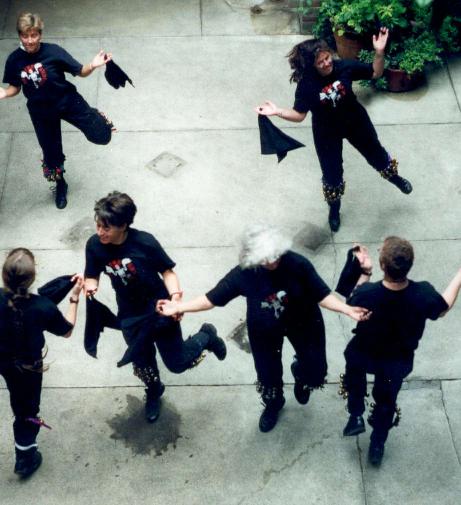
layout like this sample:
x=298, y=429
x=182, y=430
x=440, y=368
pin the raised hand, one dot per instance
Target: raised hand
x=380, y=41
x=267, y=109
x=101, y=59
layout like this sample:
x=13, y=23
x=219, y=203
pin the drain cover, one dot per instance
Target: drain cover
x=166, y=164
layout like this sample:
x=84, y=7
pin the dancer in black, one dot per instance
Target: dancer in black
x=23, y=319
x=141, y=273
x=39, y=69
x=324, y=87
x=283, y=293
x=385, y=344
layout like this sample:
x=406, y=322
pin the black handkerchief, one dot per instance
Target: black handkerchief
x=115, y=76
x=350, y=275
x=273, y=140
x=98, y=317
x=57, y=289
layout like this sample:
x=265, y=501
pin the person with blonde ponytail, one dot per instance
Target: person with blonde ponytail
x=23, y=319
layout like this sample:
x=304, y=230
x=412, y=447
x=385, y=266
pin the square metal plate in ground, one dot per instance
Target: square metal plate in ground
x=166, y=164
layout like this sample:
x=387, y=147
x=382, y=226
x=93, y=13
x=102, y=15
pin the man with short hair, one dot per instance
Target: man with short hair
x=384, y=345
x=141, y=273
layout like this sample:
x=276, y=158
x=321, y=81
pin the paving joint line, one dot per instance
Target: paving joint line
x=201, y=17
x=3, y=27
x=364, y=486
x=449, y=424
x=7, y=164
x=452, y=84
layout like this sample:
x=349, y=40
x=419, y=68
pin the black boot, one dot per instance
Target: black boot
x=333, y=216
x=301, y=391
x=215, y=344
x=27, y=462
x=403, y=184
x=375, y=452
x=270, y=415
x=354, y=426
x=152, y=407
x=61, y=193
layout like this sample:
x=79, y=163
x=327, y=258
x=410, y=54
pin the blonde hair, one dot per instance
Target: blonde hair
x=262, y=243
x=27, y=21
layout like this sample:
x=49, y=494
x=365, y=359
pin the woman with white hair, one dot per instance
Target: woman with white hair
x=283, y=293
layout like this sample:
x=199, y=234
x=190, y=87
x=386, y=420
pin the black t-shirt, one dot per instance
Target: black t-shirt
x=133, y=268
x=21, y=331
x=276, y=299
x=42, y=74
x=397, y=321
x=331, y=98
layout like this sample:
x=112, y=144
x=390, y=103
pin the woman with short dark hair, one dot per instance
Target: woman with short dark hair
x=39, y=69
x=23, y=319
x=324, y=87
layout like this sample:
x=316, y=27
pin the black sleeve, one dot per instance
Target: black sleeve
x=228, y=288
x=92, y=267
x=158, y=255
x=317, y=287
x=436, y=304
x=11, y=76
x=356, y=297
x=55, y=321
x=302, y=102
x=359, y=70
x=69, y=63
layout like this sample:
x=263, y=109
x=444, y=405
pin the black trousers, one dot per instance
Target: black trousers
x=308, y=341
x=25, y=389
x=76, y=111
x=177, y=354
x=360, y=132
x=385, y=390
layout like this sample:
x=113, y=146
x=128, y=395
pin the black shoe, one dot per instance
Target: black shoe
x=152, y=407
x=60, y=196
x=403, y=184
x=333, y=216
x=27, y=462
x=354, y=426
x=375, y=453
x=302, y=393
x=215, y=344
x=269, y=416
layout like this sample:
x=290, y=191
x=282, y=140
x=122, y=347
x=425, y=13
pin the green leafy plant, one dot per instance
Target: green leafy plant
x=304, y=7
x=450, y=34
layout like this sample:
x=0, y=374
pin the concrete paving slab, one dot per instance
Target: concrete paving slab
x=420, y=465
x=3, y=11
x=452, y=401
x=123, y=458
x=249, y=17
x=5, y=144
x=417, y=106
x=114, y=18
x=227, y=164
x=372, y=208
x=195, y=83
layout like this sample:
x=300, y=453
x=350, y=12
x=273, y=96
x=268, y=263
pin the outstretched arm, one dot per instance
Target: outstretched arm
x=270, y=109
x=172, y=308
x=451, y=292
x=71, y=314
x=332, y=302
x=379, y=45
x=9, y=91
x=98, y=61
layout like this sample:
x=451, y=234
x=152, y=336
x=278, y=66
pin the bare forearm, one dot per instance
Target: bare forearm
x=171, y=281
x=291, y=115
x=331, y=302
x=196, y=305
x=451, y=292
x=378, y=65
x=9, y=92
x=86, y=70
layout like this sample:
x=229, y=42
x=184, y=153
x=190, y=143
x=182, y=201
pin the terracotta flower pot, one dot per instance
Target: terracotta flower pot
x=399, y=80
x=349, y=45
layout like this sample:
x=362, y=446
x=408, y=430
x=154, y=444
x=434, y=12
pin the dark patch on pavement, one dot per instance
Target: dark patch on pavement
x=312, y=237
x=240, y=336
x=79, y=233
x=142, y=437
x=272, y=17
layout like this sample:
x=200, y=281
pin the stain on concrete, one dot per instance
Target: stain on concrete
x=143, y=438
x=240, y=336
x=271, y=17
x=79, y=233
x=311, y=237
